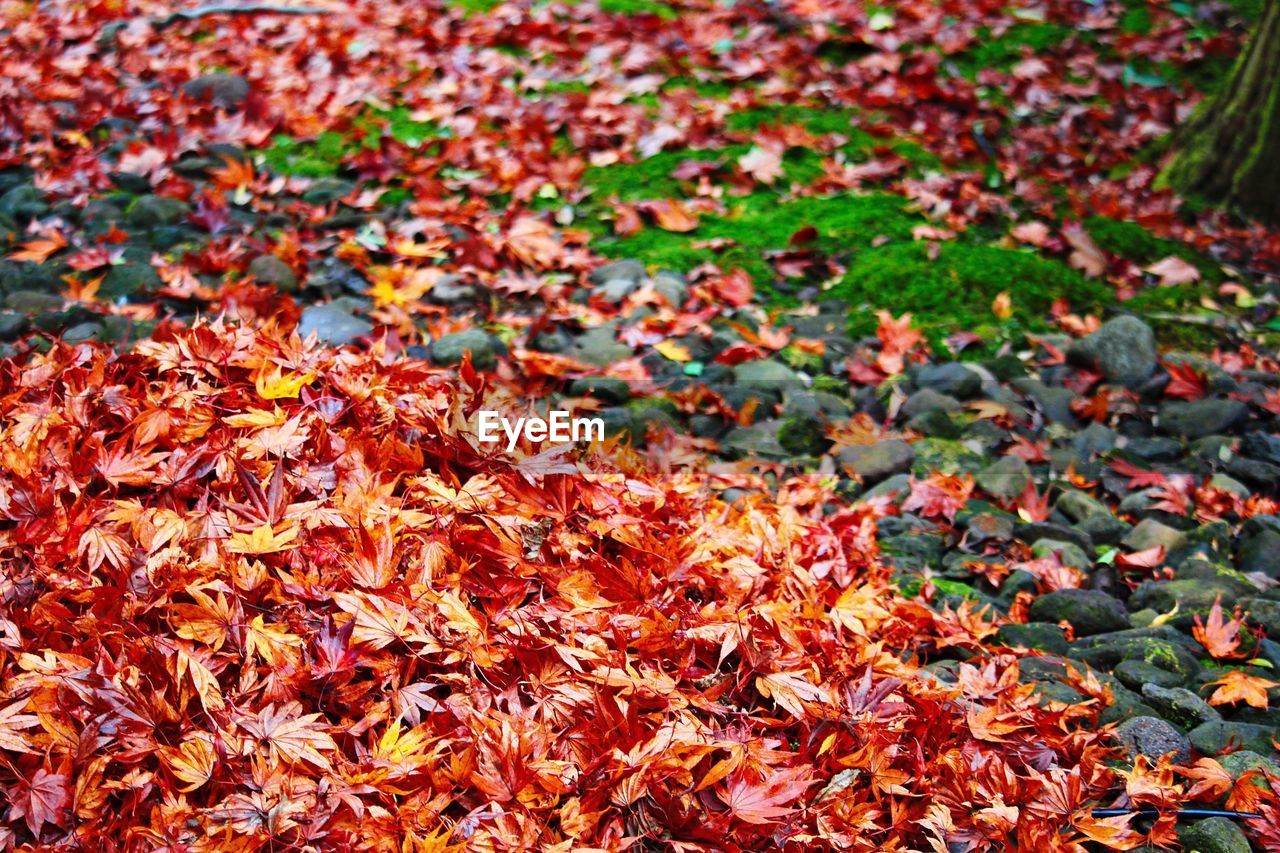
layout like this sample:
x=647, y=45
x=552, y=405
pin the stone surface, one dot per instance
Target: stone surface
x=875, y=462
x=332, y=325
x=268, y=269
x=450, y=349
x=1192, y=419
x=1154, y=738
x=1087, y=610
x=1123, y=351
x=1006, y=478
x=221, y=89
x=1214, y=835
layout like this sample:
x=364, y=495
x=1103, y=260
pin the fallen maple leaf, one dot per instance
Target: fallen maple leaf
x=1173, y=271
x=763, y=164
x=1236, y=686
x=671, y=215
x=1086, y=255
x=39, y=250
x=1220, y=636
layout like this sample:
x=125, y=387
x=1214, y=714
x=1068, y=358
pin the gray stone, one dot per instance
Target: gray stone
x=1216, y=735
x=759, y=439
x=1192, y=419
x=927, y=400
x=1154, y=738
x=332, y=325
x=32, y=301
x=952, y=378
x=603, y=388
x=12, y=325
x=1007, y=478
x=129, y=278
x=268, y=269
x=600, y=347
x=1094, y=440
x=875, y=462
x=452, y=290
x=1190, y=594
x=1043, y=636
x=767, y=375
x=149, y=211
x=1150, y=533
x=221, y=88
x=1240, y=763
x=629, y=270
x=1069, y=553
x=1179, y=705
x=1123, y=351
x=1214, y=835
x=1261, y=553
x=1089, y=611
x=1078, y=506
x=1263, y=612
x=615, y=290
x=1136, y=674
x=483, y=347
x=672, y=287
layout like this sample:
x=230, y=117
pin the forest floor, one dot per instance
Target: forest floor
x=939, y=504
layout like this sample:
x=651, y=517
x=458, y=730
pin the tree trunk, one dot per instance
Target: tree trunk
x=1229, y=153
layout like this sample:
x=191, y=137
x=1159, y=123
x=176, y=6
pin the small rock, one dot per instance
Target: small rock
x=1154, y=738
x=952, y=379
x=600, y=347
x=988, y=526
x=1078, y=506
x=756, y=440
x=452, y=290
x=332, y=325
x=1150, y=533
x=603, y=388
x=875, y=462
x=149, y=211
x=1214, y=835
x=1179, y=705
x=1006, y=478
x=672, y=286
x=1043, y=636
x=1261, y=553
x=1069, y=553
x=1136, y=674
x=1214, y=736
x=130, y=278
x=927, y=400
x=12, y=325
x=268, y=269
x=1240, y=763
x=629, y=270
x=1088, y=611
x=767, y=375
x=482, y=346
x=1123, y=350
x=1192, y=419
x=32, y=301
x=221, y=88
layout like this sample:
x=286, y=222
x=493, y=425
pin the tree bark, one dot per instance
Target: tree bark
x=1229, y=153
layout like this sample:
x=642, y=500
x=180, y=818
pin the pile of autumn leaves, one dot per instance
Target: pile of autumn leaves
x=260, y=596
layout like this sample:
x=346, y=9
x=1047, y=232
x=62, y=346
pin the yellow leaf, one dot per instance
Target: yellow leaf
x=1165, y=617
x=256, y=419
x=263, y=540
x=674, y=351
x=1002, y=306
x=274, y=385
x=192, y=762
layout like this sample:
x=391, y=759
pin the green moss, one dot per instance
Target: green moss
x=758, y=223
x=316, y=158
x=638, y=7
x=472, y=7
x=803, y=436
x=801, y=360
x=813, y=119
x=1136, y=20
x=950, y=587
x=956, y=287
x=651, y=178
x=1004, y=51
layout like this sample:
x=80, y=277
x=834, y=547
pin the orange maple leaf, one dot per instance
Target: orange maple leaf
x=1236, y=686
x=1220, y=636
